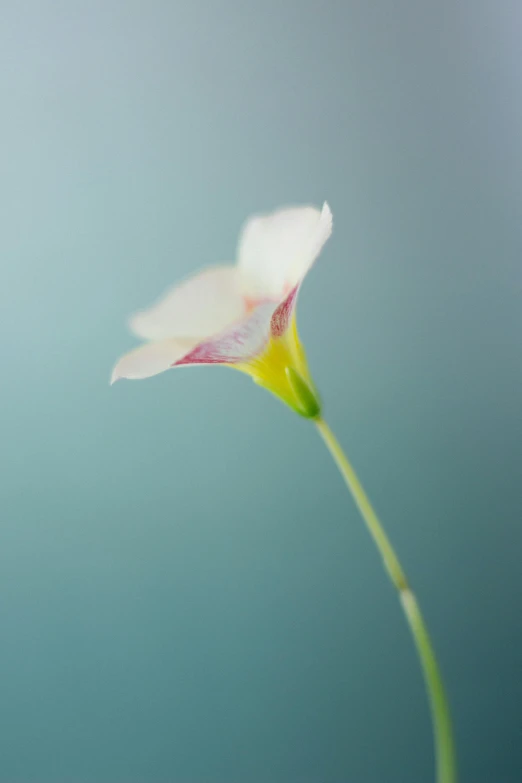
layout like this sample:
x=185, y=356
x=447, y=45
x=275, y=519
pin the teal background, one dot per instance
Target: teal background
x=187, y=593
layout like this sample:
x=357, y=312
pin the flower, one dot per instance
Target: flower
x=242, y=315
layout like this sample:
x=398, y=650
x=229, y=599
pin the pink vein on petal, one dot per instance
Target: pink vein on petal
x=282, y=314
x=238, y=343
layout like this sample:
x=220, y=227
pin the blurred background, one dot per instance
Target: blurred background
x=187, y=592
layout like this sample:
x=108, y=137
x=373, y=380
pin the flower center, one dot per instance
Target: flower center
x=250, y=304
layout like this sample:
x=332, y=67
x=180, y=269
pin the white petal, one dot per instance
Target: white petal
x=276, y=251
x=199, y=307
x=236, y=344
x=151, y=359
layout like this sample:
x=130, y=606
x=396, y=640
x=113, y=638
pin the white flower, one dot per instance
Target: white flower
x=240, y=315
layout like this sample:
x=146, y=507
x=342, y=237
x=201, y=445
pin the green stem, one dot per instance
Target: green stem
x=443, y=734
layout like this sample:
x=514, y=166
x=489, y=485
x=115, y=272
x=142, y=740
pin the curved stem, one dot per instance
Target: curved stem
x=442, y=729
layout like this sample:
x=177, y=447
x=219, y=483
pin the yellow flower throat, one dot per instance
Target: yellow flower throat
x=282, y=369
